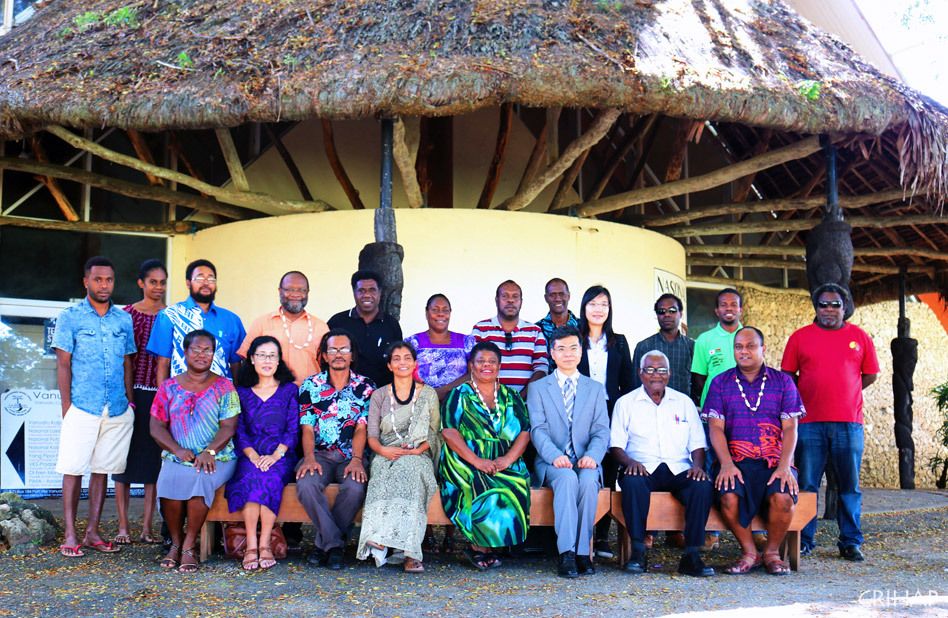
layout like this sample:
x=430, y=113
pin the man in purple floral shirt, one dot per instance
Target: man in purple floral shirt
x=752, y=413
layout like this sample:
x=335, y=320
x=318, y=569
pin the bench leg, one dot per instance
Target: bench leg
x=625, y=544
x=790, y=549
x=206, y=540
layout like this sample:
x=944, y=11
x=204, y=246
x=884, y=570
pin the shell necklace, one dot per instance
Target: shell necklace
x=493, y=417
x=760, y=395
x=286, y=329
x=412, y=397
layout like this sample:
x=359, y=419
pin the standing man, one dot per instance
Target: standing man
x=658, y=441
x=832, y=362
x=195, y=313
x=556, y=295
x=569, y=427
x=298, y=332
x=678, y=347
x=714, y=349
x=522, y=344
x=752, y=411
x=94, y=344
x=371, y=329
x=334, y=408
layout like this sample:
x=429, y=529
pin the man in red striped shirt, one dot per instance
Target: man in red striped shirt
x=522, y=343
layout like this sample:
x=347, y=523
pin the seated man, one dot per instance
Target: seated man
x=570, y=430
x=334, y=409
x=658, y=440
x=752, y=413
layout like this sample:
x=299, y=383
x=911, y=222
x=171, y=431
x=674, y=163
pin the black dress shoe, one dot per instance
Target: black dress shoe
x=317, y=557
x=567, y=566
x=692, y=564
x=335, y=561
x=637, y=562
x=584, y=565
x=851, y=553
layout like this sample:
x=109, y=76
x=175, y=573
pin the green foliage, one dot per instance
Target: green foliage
x=666, y=84
x=939, y=464
x=184, y=60
x=125, y=17
x=87, y=20
x=290, y=62
x=608, y=5
x=809, y=88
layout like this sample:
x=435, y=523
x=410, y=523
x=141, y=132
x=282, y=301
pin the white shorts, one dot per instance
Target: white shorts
x=97, y=443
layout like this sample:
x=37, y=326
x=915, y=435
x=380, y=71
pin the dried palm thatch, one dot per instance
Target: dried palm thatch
x=160, y=64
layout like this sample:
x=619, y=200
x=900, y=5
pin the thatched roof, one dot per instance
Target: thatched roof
x=155, y=64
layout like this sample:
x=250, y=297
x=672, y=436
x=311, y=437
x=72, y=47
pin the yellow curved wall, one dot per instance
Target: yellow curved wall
x=462, y=253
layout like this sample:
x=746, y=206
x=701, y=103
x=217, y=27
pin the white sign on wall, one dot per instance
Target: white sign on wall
x=670, y=283
x=30, y=421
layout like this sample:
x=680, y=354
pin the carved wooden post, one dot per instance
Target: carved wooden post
x=904, y=359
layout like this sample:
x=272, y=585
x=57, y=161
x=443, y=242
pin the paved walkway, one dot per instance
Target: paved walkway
x=905, y=574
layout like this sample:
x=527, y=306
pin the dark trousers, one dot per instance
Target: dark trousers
x=697, y=497
x=331, y=524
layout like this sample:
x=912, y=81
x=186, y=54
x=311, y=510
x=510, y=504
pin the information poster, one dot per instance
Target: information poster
x=30, y=421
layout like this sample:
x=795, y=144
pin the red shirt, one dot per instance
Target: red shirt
x=831, y=364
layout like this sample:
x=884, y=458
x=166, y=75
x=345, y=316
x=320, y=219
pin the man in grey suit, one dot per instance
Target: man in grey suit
x=570, y=430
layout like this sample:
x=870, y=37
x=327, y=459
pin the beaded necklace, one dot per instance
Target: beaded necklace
x=477, y=391
x=412, y=397
x=286, y=329
x=760, y=395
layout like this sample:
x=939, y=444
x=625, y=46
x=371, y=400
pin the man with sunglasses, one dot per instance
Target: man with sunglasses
x=832, y=362
x=677, y=346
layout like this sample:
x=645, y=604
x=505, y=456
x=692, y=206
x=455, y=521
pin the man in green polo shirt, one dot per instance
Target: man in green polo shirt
x=714, y=349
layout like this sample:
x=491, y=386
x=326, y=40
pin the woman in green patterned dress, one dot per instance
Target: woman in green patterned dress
x=485, y=485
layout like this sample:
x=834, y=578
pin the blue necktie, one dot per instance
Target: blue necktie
x=569, y=398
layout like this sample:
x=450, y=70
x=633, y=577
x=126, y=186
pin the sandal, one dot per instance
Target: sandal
x=429, y=546
x=149, y=539
x=265, y=562
x=188, y=567
x=775, y=566
x=493, y=560
x=414, y=566
x=477, y=558
x=743, y=565
x=251, y=561
x=122, y=539
x=449, y=545
x=168, y=562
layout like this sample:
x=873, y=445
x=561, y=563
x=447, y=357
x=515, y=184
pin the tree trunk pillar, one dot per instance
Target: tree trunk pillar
x=904, y=359
x=385, y=255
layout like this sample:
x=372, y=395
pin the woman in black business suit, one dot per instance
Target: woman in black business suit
x=607, y=359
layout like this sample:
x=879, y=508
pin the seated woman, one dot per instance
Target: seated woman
x=266, y=441
x=193, y=420
x=485, y=483
x=403, y=433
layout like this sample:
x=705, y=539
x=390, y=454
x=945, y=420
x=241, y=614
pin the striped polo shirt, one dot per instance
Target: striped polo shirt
x=525, y=355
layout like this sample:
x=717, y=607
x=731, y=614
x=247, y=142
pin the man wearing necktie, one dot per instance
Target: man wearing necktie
x=570, y=430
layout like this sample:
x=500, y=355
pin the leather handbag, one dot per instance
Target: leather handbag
x=235, y=540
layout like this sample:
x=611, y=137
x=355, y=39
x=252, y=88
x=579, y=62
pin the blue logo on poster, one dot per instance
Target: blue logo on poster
x=17, y=403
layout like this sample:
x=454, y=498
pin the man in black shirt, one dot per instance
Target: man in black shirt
x=371, y=328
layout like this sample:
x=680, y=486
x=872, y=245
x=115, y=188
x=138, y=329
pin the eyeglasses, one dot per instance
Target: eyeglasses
x=201, y=351
x=560, y=349
x=650, y=371
x=669, y=311
x=826, y=304
x=338, y=351
x=266, y=357
x=598, y=305
x=203, y=279
x=508, y=340
x=295, y=290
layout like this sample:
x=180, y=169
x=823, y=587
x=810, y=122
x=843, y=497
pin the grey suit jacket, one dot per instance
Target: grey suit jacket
x=549, y=429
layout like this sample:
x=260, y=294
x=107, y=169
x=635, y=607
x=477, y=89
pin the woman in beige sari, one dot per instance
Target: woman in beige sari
x=403, y=432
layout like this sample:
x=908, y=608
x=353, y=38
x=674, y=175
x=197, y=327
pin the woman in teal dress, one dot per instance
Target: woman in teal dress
x=485, y=485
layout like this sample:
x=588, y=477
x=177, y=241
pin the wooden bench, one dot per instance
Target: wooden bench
x=667, y=513
x=541, y=511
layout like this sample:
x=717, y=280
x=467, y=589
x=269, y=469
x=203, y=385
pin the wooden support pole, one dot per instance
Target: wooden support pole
x=640, y=128
x=567, y=181
x=175, y=146
x=535, y=160
x=144, y=153
x=743, y=186
x=497, y=161
x=175, y=227
x=329, y=143
x=123, y=187
x=51, y=183
x=255, y=201
x=747, y=227
x=924, y=252
x=288, y=161
x=679, y=147
x=552, y=135
x=597, y=130
x=234, y=166
x=405, y=151
x=799, y=150
x=800, y=265
x=786, y=204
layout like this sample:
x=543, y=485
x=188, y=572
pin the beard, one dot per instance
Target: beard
x=293, y=306
x=203, y=298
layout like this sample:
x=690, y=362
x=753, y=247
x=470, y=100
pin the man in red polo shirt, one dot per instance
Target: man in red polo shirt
x=832, y=362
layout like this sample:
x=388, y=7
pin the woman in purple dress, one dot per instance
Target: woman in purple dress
x=266, y=442
x=442, y=354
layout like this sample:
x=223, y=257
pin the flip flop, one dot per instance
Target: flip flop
x=122, y=539
x=149, y=539
x=71, y=551
x=103, y=547
x=414, y=566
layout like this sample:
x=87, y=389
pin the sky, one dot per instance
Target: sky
x=919, y=48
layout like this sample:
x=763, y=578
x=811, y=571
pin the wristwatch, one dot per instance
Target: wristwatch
x=211, y=451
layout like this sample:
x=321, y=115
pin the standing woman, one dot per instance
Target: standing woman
x=403, y=432
x=485, y=485
x=607, y=360
x=442, y=354
x=193, y=419
x=266, y=442
x=144, y=454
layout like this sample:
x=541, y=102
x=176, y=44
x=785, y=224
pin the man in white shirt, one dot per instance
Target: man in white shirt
x=659, y=442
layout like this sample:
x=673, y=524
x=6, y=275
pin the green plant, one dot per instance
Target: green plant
x=290, y=62
x=184, y=60
x=606, y=5
x=125, y=17
x=86, y=20
x=809, y=88
x=941, y=404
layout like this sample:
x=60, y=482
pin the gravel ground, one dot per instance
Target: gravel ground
x=905, y=574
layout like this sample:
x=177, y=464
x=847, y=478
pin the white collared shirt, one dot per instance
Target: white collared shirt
x=654, y=434
x=561, y=378
x=598, y=360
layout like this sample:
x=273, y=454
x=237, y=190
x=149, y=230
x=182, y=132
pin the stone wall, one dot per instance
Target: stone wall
x=778, y=314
